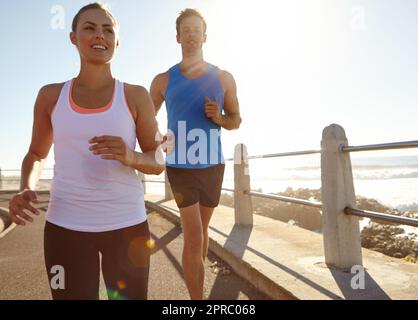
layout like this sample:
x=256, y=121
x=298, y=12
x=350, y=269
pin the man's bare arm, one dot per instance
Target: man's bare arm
x=157, y=90
x=231, y=119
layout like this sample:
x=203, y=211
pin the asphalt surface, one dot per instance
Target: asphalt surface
x=23, y=274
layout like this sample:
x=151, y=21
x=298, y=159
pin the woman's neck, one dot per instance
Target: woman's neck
x=95, y=76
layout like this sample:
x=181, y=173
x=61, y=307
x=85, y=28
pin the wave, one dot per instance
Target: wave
x=368, y=175
x=385, y=175
x=408, y=207
x=359, y=167
x=385, y=163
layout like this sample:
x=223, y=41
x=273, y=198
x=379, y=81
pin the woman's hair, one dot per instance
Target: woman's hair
x=95, y=5
x=189, y=13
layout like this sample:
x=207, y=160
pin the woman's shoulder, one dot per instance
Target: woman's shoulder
x=52, y=88
x=51, y=92
x=134, y=89
x=48, y=96
x=135, y=93
x=136, y=96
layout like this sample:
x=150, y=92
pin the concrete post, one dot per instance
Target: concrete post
x=167, y=189
x=341, y=233
x=242, y=201
x=141, y=176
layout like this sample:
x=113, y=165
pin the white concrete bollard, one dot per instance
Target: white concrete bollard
x=141, y=176
x=341, y=233
x=242, y=201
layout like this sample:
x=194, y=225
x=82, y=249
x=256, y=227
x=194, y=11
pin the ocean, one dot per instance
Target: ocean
x=393, y=181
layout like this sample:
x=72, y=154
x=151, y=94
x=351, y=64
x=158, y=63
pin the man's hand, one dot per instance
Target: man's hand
x=112, y=148
x=212, y=111
x=22, y=201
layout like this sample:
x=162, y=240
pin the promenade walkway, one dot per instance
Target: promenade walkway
x=279, y=260
x=285, y=261
x=22, y=274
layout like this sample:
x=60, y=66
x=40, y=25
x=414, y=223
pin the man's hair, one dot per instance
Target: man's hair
x=95, y=5
x=189, y=13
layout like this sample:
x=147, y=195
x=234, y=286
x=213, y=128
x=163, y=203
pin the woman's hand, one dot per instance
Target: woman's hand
x=20, y=202
x=112, y=148
x=168, y=143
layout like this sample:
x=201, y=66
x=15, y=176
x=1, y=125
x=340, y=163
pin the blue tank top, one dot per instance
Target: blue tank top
x=197, y=138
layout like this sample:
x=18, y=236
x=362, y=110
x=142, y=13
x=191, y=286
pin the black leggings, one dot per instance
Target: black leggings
x=125, y=262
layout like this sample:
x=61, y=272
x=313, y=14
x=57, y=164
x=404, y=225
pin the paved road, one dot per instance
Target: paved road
x=22, y=274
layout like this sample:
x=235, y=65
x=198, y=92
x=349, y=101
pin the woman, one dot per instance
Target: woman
x=97, y=201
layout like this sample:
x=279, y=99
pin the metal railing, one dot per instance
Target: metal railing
x=283, y=154
x=155, y=181
x=349, y=211
x=382, y=216
x=340, y=235
x=383, y=146
x=277, y=197
x=285, y=199
x=378, y=215
x=357, y=212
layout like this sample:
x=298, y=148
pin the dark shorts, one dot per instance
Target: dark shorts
x=192, y=186
x=124, y=263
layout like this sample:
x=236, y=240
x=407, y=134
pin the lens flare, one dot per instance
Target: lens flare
x=114, y=295
x=121, y=284
x=150, y=244
x=136, y=252
x=178, y=197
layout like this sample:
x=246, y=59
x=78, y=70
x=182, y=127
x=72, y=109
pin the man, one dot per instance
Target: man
x=196, y=92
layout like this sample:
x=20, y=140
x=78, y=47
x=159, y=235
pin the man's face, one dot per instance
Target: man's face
x=192, y=35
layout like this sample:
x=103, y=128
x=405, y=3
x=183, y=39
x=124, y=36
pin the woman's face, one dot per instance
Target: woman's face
x=96, y=37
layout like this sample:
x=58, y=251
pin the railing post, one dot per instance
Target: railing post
x=167, y=188
x=242, y=202
x=341, y=233
x=141, y=176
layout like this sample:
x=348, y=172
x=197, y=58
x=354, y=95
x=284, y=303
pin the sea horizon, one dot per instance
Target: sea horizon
x=392, y=181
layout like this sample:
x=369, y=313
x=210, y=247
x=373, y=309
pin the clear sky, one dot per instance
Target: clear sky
x=299, y=65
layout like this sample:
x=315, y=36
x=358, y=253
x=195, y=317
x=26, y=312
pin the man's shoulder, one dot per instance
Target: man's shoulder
x=161, y=77
x=225, y=74
x=226, y=78
x=159, y=83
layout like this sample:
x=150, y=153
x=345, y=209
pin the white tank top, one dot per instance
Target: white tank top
x=89, y=193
